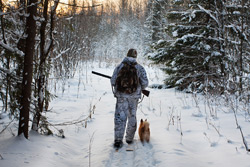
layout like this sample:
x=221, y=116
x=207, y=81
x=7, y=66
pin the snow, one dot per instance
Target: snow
x=187, y=37
x=160, y=42
x=185, y=131
x=236, y=12
x=175, y=33
x=192, y=16
x=215, y=53
x=207, y=47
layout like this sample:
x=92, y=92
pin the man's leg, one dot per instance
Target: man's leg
x=132, y=121
x=120, y=118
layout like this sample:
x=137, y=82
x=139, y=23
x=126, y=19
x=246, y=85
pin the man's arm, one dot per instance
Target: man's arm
x=114, y=76
x=143, y=78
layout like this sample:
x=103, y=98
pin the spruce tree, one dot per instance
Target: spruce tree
x=238, y=42
x=193, y=57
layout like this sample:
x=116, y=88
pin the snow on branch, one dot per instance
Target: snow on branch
x=237, y=29
x=60, y=54
x=210, y=14
x=13, y=50
x=8, y=72
x=5, y=70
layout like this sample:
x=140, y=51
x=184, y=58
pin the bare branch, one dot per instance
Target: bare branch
x=238, y=126
x=6, y=128
x=80, y=6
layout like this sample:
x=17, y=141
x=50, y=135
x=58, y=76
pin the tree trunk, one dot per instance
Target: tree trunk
x=241, y=47
x=40, y=83
x=5, y=102
x=42, y=66
x=28, y=69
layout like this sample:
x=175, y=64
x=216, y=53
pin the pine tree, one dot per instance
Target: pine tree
x=155, y=11
x=11, y=52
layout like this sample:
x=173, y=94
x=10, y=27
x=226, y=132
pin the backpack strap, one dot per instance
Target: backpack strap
x=130, y=64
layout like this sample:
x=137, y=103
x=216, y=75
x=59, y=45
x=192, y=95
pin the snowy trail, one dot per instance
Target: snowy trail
x=143, y=155
x=102, y=128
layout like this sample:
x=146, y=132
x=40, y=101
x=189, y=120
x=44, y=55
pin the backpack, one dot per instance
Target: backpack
x=127, y=79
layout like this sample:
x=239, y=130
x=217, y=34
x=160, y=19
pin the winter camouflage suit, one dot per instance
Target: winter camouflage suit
x=126, y=104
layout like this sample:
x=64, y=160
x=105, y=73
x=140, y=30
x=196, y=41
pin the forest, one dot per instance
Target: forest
x=201, y=46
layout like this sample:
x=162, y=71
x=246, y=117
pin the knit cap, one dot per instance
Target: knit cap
x=132, y=53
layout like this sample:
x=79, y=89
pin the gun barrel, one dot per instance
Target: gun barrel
x=103, y=75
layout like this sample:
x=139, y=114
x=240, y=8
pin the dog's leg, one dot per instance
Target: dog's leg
x=141, y=132
x=148, y=135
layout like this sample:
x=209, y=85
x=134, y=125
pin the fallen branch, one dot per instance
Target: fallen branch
x=78, y=121
x=72, y=122
x=91, y=112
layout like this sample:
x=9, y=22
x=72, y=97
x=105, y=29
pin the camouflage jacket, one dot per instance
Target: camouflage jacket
x=142, y=75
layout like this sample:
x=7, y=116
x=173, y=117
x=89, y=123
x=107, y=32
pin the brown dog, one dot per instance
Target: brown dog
x=144, y=131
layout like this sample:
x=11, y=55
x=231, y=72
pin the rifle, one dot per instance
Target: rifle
x=145, y=92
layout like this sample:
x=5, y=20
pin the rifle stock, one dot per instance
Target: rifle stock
x=145, y=92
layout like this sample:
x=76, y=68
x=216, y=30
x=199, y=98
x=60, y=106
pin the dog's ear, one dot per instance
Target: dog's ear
x=146, y=120
x=141, y=120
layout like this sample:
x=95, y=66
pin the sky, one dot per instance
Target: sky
x=62, y=7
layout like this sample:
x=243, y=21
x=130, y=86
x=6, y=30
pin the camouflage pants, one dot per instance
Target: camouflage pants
x=125, y=110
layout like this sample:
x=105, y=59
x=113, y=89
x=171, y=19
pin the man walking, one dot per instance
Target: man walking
x=128, y=80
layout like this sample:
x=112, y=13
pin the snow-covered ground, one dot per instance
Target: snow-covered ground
x=182, y=133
